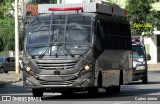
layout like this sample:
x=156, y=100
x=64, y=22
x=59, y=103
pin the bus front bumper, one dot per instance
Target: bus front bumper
x=58, y=81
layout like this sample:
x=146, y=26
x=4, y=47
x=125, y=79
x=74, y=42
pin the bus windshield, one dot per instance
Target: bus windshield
x=138, y=51
x=59, y=34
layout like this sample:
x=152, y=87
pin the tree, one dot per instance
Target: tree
x=7, y=34
x=142, y=17
x=5, y=6
x=7, y=26
x=43, y=1
x=53, y=1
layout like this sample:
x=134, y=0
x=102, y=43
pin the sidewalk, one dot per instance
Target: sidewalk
x=154, y=66
x=10, y=77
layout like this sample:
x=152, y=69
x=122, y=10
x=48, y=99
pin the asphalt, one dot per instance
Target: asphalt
x=12, y=77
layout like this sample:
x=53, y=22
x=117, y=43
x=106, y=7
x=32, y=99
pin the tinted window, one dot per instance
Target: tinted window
x=138, y=51
x=116, y=35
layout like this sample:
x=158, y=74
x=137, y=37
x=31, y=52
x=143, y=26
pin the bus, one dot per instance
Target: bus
x=68, y=52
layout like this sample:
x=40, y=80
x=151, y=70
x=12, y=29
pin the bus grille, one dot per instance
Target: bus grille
x=57, y=82
x=56, y=66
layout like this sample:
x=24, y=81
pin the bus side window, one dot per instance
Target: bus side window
x=98, y=37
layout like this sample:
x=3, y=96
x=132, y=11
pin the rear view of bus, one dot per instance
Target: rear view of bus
x=65, y=51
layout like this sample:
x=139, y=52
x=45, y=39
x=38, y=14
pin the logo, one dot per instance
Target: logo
x=6, y=98
x=56, y=72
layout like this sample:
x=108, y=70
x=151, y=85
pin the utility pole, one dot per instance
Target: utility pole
x=16, y=39
x=23, y=9
x=58, y=2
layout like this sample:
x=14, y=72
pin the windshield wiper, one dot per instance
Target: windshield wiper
x=69, y=52
x=50, y=43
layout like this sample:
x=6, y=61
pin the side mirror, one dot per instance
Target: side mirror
x=148, y=57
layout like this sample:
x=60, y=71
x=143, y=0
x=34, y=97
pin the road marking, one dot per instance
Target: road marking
x=123, y=102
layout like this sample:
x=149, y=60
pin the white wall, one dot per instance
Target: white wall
x=71, y=1
x=152, y=41
x=77, y=1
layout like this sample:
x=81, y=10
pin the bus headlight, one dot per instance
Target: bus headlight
x=140, y=68
x=30, y=70
x=87, y=67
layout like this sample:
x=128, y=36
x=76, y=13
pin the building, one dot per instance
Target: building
x=153, y=43
x=119, y=2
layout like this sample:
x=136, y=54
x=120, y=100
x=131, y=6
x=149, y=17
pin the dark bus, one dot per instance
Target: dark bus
x=72, y=52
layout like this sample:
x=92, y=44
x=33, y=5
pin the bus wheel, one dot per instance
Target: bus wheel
x=93, y=91
x=117, y=89
x=37, y=92
x=113, y=90
x=67, y=93
x=145, y=80
x=109, y=90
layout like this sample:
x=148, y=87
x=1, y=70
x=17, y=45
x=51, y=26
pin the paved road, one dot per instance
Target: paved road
x=132, y=92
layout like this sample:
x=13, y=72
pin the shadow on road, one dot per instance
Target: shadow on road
x=140, y=83
x=14, y=88
x=125, y=95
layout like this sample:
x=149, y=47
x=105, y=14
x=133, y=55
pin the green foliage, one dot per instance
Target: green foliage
x=43, y=1
x=6, y=26
x=53, y=1
x=7, y=34
x=4, y=53
x=141, y=15
x=5, y=6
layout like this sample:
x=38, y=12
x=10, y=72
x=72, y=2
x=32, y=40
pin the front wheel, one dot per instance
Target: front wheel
x=37, y=92
x=93, y=91
x=67, y=93
x=2, y=70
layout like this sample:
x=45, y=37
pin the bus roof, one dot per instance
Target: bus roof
x=105, y=8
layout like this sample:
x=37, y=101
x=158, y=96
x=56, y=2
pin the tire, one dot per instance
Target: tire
x=37, y=93
x=145, y=79
x=109, y=90
x=117, y=89
x=3, y=70
x=93, y=91
x=112, y=90
x=67, y=93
